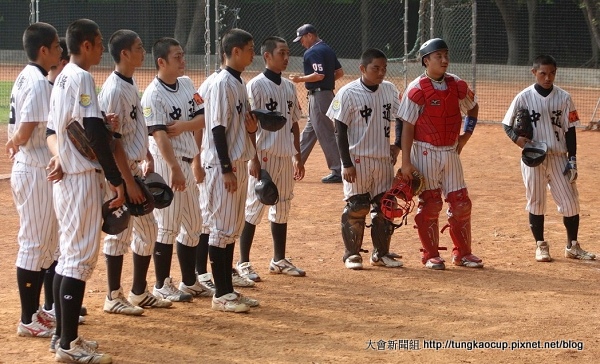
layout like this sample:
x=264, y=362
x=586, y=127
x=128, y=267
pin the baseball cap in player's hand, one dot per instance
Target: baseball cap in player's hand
x=305, y=29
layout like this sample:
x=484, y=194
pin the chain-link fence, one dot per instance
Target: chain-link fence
x=492, y=42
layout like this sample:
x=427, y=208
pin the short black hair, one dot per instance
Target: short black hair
x=235, y=38
x=122, y=39
x=543, y=59
x=269, y=44
x=161, y=48
x=370, y=54
x=65, y=51
x=78, y=32
x=36, y=36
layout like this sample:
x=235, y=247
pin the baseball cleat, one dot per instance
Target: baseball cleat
x=469, y=261
x=81, y=352
x=147, y=299
x=284, y=266
x=575, y=252
x=436, y=263
x=40, y=326
x=542, y=252
x=171, y=293
x=206, y=282
x=246, y=270
x=229, y=302
x=354, y=262
x=115, y=302
x=55, y=340
x=386, y=261
x=195, y=290
x=239, y=281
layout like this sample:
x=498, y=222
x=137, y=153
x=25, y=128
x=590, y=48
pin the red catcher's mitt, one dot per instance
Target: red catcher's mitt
x=398, y=202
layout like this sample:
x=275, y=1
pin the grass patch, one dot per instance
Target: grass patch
x=5, y=89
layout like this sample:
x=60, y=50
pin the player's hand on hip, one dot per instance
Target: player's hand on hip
x=230, y=181
x=119, y=200
x=11, y=149
x=55, y=172
x=349, y=174
x=254, y=167
x=134, y=193
x=177, y=179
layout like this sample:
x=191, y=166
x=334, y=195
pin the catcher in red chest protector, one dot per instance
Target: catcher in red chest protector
x=431, y=143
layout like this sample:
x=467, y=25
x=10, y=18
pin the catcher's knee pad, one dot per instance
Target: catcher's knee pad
x=381, y=233
x=459, y=221
x=430, y=205
x=353, y=223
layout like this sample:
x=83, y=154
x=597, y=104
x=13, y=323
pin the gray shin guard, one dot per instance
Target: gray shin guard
x=353, y=224
x=381, y=235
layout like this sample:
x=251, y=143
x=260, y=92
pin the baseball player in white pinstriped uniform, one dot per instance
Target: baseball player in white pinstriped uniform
x=431, y=109
x=554, y=118
x=205, y=277
x=119, y=95
x=32, y=192
x=278, y=153
x=78, y=196
x=226, y=148
x=170, y=97
x=363, y=111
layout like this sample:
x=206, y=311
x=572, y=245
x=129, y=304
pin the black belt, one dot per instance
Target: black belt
x=310, y=92
x=98, y=170
x=187, y=160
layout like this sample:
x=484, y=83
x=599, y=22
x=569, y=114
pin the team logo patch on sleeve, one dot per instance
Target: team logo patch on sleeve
x=147, y=111
x=85, y=100
x=336, y=105
x=198, y=99
x=573, y=117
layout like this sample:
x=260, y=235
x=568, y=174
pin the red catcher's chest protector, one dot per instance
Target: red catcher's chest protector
x=439, y=123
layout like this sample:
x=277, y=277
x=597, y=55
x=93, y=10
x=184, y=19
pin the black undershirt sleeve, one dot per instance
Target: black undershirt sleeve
x=399, y=125
x=510, y=132
x=342, y=142
x=571, y=140
x=100, y=139
x=221, y=145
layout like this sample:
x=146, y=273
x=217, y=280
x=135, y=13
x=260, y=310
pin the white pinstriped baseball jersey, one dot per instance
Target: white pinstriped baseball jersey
x=73, y=98
x=122, y=98
x=162, y=106
x=552, y=116
x=203, y=89
x=368, y=115
x=29, y=102
x=227, y=107
x=266, y=94
x=410, y=111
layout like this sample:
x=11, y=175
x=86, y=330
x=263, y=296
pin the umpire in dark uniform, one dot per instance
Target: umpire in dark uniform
x=321, y=69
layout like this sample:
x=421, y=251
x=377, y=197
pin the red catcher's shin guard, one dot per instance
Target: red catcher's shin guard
x=430, y=205
x=459, y=219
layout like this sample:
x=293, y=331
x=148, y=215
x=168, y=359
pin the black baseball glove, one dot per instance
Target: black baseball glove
x=270, y=120
x=523, y=125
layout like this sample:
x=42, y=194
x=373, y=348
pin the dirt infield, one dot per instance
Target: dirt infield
x=376, y=315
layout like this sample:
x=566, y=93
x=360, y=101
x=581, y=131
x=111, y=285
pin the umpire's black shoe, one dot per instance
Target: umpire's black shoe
x=332, y=178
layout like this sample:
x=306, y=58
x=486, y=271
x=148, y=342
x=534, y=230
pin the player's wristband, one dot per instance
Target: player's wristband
x=470, y=122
